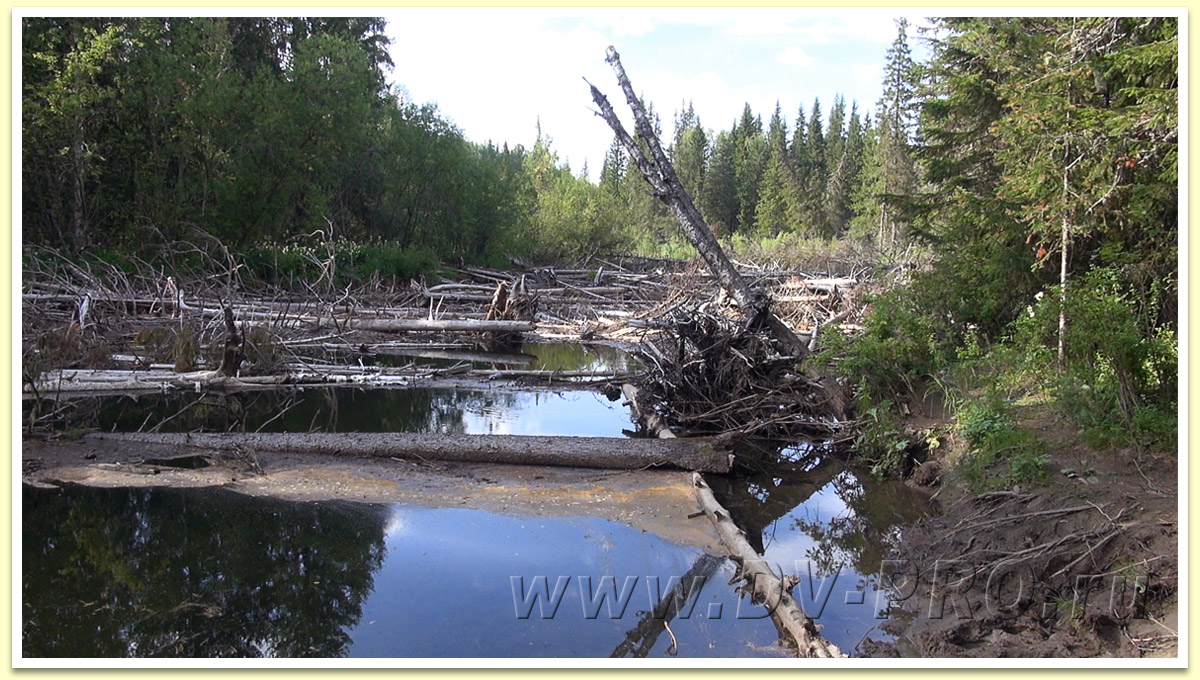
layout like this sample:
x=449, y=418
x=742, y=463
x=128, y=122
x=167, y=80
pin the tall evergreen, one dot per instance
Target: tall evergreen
x=777, y=193
x=749, y=164
x=719, y=195
x=894, y=177
x=689, y=151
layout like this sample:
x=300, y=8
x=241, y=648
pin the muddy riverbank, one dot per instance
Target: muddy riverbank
x=1084, y=565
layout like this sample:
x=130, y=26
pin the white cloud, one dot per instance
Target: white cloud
x=496, y=71
x=794, y=56
x=623, y=23
x=867, y=75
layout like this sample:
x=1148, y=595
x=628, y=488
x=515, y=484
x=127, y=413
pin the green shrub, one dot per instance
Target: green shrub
x=352, y=263
x=1117, y=380
x=881, y=440
x=1002, y=454
x=897, y=356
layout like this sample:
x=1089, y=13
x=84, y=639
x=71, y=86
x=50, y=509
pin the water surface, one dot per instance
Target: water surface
x=452, y=410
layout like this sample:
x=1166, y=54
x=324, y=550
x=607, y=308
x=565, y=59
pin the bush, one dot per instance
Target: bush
x=1118, y=381
x=881, y=440
x=353, y=262
x=1002, y=454
x=895, y=358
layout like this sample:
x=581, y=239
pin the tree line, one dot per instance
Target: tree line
x=1046, y=193
x=138, y=132
x=280, y=133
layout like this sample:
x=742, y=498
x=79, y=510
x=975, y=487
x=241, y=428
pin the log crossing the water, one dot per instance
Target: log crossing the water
x=766, y=587
x=707, y=454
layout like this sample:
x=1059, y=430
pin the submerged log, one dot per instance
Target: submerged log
x=764, y=585
x=703, y=454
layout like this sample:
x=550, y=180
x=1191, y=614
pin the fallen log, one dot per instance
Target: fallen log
x=765, y=586
x=703, y=454
x=467, y=325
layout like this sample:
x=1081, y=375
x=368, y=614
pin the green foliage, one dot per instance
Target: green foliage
x=1002, y=454
x=1118, y=381
x=896, y=356
x=339, y=264
x=881, y=439
x=253, y=131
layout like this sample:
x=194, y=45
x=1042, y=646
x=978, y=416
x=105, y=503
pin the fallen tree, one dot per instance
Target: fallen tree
x=764, y=586
x=703, y=454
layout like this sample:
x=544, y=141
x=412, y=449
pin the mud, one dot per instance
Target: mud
x=1085, y=565
x=656, y=501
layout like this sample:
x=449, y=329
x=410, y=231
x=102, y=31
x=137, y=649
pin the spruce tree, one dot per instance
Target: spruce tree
x=718, y=198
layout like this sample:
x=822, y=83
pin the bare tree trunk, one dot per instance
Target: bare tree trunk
x=231, y=359
x=1062, y=289
x=78, y=204
x=768, y=588
x=707, y=454
x=659, y=172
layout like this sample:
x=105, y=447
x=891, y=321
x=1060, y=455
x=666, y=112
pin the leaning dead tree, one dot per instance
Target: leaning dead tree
x=659, y=172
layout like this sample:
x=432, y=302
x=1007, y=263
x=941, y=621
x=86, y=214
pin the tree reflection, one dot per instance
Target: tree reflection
x=869, y=532
x=330, y=409
x=779, y=478
x=193, y=573
x=782, y=478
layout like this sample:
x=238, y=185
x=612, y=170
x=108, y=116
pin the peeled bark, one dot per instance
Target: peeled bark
x=703, y=454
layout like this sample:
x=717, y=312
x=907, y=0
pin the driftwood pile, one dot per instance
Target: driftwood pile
x=709, y=373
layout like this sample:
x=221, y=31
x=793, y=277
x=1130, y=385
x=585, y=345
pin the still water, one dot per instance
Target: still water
x=162, y=572
x=449, y=410
x=212, y=573
x=558, y=356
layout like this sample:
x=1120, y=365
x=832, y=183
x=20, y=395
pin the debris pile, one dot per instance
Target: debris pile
x=707, y=372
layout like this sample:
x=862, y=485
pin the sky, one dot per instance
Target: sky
x=497, y=72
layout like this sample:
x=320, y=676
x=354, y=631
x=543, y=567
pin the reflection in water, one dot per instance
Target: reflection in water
x=814, y=517
x=210, y=573
x=345, y=409
x=192, y=572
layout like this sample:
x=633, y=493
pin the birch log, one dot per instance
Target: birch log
x=765, y=585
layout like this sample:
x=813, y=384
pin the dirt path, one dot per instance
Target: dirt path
x=1084, y=565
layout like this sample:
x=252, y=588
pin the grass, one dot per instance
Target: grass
x=1002, y=454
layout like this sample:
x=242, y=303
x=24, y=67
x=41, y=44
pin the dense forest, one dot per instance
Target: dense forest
x=262, y=132
x=1028, y=171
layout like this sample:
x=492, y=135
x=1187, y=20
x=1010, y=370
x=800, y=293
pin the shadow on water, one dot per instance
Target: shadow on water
x=344, y=409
